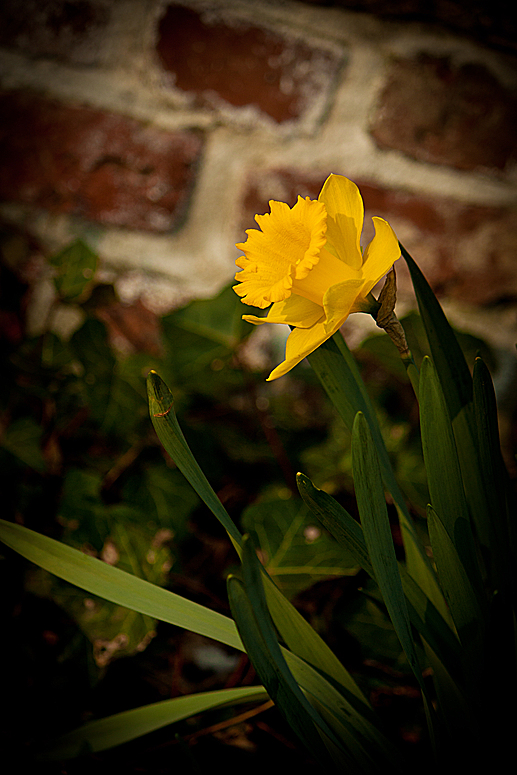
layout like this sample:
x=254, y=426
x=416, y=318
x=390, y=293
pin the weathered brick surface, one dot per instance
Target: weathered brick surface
x=487, y=21
x=67, y=30
x=132, y=326
x=94, y=164
x=440, y=113
x=467, y=252
x=242, y=64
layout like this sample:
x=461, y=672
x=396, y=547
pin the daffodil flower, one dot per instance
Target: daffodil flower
x=306, y=262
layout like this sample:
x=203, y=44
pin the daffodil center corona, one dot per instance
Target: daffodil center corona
x=286, y=249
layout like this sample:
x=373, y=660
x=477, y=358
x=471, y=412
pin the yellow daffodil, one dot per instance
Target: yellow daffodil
x=307, y=263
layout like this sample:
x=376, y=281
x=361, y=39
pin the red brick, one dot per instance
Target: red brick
x=132, y=326
x=243, y=64
x=67, y=30
x=437, y=112
x=467, y=252
x=94, y=164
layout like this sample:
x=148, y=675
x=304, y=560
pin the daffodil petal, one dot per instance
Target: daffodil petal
x=380, y=255
x=345, y=216
x=300, y=343
x=294, y=311
x=338, y=302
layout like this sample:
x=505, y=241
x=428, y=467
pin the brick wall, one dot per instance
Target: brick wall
x=156, y=130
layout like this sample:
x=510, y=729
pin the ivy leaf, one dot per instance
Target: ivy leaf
x=23, y=440
x=295, y=550
x=112, y=629
x=75, y=267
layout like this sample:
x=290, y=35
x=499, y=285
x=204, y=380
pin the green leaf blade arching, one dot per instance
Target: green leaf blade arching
x=269, y=663
x=458, y=591
x=321, y=705
x=446, y=352
x=457, y=387
x=339, y=375
x=377, y=535
x=120, y=728
x=495, y=480
x=161, y=408
x=117, y=586
x=424, y=616
x=296, y=631
x=444, y=473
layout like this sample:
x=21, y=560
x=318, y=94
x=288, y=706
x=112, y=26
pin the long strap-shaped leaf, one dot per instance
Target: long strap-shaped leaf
x=463, y=603
x=339, y=375
x=163, y=417
x=377, y=533
x=297, y=633
x=423, y=614
x=120, y=728
x=283, y=674
x=116, y=585
x=122, y=588
x=444, y=474
x=356, y=728
x=496, y=482
x=456, y=382
x=249, y=609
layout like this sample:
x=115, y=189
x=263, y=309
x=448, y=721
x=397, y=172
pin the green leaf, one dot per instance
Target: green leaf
x=163, y=495
x=460, y=596
x=114, y=630
x=295, y=552
x=161, y=408
x=304, y=641
x=122, y=588
x=22, y=438
x=122, y=727
x=216, y=320
x=377, y=534
x=90, y=346
x=444, y=474
x=250, y=611
x=297, y=633
x=366, y=749
x=350, y=720
x=378, y=537
x=76, y=265
x=427, y=619
x=337, y=371
x=201, y=340
x=115, y=585
x=456, y=383
x=275, y=675
x=495, y=481
x=446, y=352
